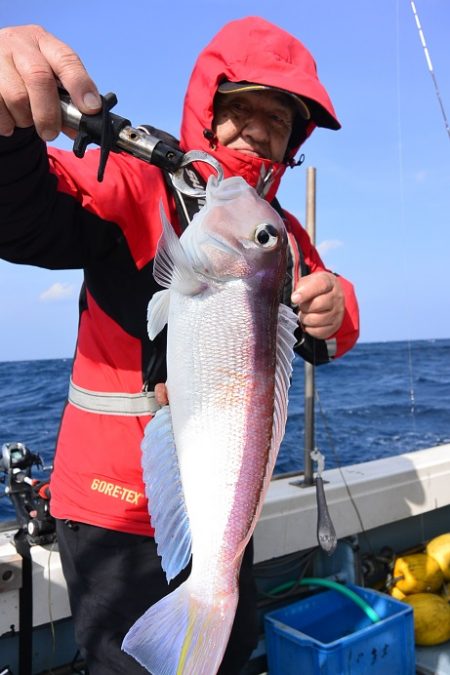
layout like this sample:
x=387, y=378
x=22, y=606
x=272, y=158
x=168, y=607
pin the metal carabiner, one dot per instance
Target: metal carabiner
x=178, y=178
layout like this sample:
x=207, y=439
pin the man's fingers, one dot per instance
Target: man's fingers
x=313, y=285
x=39, y=104
x=320, y=326
x=68, y=68
x=161, y=394
x=312, y=320
x=7, y=122
x=320, y=303
x=321, y=332
x=31, y=62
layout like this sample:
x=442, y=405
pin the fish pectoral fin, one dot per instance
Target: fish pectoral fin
x=157, y=313
x=165, y=494
x=172, y=267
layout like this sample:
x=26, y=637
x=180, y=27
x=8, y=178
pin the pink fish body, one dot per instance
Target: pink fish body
x=209, y=456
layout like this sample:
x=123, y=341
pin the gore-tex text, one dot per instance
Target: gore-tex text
x=116, y=491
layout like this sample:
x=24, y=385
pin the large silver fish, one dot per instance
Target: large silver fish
x=208, y=457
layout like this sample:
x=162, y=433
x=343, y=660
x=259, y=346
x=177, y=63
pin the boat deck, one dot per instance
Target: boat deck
x=433, y=660
x=401, y=501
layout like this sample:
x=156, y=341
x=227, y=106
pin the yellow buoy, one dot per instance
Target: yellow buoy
x=397, y=593
x=431, y=618
x=445, y=591
x=417, y=573
x=439, y=549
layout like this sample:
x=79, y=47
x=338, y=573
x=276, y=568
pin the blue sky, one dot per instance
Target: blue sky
x=383, y=181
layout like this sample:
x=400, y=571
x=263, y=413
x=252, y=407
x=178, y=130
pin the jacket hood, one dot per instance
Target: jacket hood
x=252, y=50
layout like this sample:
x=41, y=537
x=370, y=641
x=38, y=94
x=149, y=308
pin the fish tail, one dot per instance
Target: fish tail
x=182, y=634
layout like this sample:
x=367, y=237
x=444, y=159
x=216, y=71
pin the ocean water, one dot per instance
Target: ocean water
x=379, y=400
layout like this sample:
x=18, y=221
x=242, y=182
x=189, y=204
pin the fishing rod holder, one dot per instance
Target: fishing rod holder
x=114, y=133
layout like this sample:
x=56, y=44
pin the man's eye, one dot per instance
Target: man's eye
x=281, y=122
x=238, y=108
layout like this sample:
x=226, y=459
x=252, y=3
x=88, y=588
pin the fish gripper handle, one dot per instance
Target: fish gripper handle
x=103, y=129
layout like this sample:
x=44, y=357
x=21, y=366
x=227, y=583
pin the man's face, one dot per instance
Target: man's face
x=256, y=123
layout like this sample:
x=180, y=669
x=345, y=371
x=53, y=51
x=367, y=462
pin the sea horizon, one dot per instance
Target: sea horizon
x=359, y=343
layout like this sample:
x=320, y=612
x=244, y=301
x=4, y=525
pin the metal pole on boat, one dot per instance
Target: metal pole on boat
x=326, y=534
x=310, y=222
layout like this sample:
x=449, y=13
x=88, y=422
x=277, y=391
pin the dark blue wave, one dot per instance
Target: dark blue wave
x=381, y=399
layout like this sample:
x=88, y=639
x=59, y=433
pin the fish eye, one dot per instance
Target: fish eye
x=266, y=235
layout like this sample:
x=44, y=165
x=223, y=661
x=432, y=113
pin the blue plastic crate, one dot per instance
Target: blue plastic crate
x=328, y=634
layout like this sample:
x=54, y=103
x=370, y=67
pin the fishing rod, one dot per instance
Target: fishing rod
x=114, y=133
x=430, y=66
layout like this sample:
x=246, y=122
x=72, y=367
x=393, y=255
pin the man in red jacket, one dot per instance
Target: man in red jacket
x=254, y=97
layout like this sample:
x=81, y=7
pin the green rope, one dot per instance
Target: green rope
x=334, y=585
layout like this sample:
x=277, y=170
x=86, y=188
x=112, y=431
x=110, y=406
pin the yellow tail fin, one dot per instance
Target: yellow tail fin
x=181, y=634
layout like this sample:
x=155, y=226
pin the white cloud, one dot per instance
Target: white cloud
x=328, y=245
x=421, y=176
x=57, y=291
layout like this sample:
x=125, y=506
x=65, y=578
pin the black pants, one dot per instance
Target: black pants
x=113, y=577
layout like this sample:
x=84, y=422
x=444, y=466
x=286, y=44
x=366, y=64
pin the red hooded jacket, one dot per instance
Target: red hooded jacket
x=54, y=214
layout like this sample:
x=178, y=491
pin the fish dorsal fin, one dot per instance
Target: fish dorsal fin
x=164, y=492
x=172, y=267
x=287, y=324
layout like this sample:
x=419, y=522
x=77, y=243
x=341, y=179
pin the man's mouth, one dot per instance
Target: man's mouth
x=251, y=151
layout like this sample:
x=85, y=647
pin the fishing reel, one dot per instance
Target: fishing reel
x=30, y=497
x=16, y=458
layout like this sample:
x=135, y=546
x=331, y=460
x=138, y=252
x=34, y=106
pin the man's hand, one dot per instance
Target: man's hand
x=320, y=301
x=161, y=394
x=31, y=62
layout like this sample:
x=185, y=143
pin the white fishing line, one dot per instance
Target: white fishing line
x=403, y=224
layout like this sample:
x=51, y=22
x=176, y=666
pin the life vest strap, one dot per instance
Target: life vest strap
x=112, y=403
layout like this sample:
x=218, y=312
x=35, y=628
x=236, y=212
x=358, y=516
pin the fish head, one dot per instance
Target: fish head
x=237, y=235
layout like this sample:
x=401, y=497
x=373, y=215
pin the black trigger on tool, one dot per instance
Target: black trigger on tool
x=103, y=129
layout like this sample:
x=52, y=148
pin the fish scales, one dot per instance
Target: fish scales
x=209, y=455
x=227, y=418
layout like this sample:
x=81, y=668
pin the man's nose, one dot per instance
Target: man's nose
x=257, y=126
